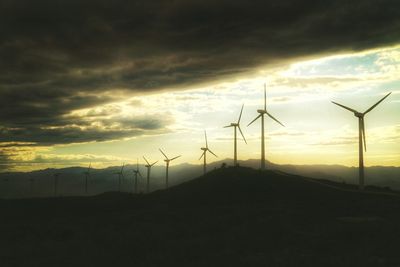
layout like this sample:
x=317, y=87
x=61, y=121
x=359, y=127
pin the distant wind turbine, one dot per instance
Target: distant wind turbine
x=262, y=113
x=136, y=173
x=148, y=166
x=361, y=137
x=6, y=186
x=87, y=176
x=120, y=176
x=204, y=154
x=236, y=125
x=31, y=184
x=56, y=176
x=167, y=161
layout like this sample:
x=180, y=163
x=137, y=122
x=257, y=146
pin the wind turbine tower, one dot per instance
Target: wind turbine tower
x=148, y=166
x=31, y=185
x=136, y=173
x=120, y=176
x=236, y=125
x=56, y=176
x=204, y=154
x=262, y=113
x=361, y=137
x=87, y=176
x=167, y=161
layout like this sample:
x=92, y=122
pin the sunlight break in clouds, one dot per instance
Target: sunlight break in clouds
x=298, y=94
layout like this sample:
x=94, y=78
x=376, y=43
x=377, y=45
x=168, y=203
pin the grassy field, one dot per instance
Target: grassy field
x=230, y=217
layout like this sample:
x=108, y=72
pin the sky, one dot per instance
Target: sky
x=107, y=82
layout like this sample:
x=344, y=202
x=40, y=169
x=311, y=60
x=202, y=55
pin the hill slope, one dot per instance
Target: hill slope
x=230, y=217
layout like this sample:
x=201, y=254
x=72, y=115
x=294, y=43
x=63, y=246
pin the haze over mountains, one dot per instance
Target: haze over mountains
x=71, y=180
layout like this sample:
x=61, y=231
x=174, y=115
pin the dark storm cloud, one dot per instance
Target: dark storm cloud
x=58, y=56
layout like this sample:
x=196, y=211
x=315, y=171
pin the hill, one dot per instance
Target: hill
x=71, y=182
x=229, y=217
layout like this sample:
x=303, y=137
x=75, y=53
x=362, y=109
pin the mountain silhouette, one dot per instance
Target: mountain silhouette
x=228, y=217
x=72, y=179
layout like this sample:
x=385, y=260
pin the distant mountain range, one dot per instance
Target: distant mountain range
x=71, y=180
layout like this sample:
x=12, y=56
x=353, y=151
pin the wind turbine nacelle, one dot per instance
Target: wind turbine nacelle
x=203, y=148
x=261, y=111
x=234, y=124
x=358, y=115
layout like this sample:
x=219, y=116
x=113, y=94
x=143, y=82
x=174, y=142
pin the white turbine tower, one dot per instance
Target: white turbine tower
x=87, y=176
x=361, y=138
x=120, y=176
x=136, y=173
x=262, y=113
x=236, y=125
x=167, y=161
x=204, y=154
x=148, y=166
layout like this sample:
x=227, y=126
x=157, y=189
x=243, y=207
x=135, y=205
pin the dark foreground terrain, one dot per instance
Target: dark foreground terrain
x=230, y=217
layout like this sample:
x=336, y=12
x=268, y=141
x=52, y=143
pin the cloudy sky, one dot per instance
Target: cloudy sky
x=110, y=81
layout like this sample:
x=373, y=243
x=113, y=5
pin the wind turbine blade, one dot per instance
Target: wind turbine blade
x=377, y=103
x=176, y=157
x=254, y=119
x=163, y=153
x=227, y=126
x=240, y=116
x=363, y=134
x=265, y=96
x=146, y=160
x=272, y=117
x=202, y=154
x=137, y=164
x=140, y=174
x=240, y=130
x=340, y=105
x=154, y=163
x=123, y=165
x=212, y=153
x=205, y=135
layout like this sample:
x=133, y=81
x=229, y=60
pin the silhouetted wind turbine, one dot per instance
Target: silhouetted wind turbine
x=361, y=137
x=167, y=161
x=31, y=183
x=204, y=154
x=120, y=176
x=262, y=113
x=56, y=175
x=6, y=186
x=148, y=166
x=236, y=125
x=136, y=173
x=87, y=176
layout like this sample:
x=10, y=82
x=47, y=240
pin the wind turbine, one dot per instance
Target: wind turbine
x=361, y=137
x=31, y=184
x=262, y=113
x=120, y=176
x=6, y=186
x=56, y=175
x=87, y=176
x=204, y=154
x=148, y=166
x=136, y=173
x=167, y=161
x=236, y=125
